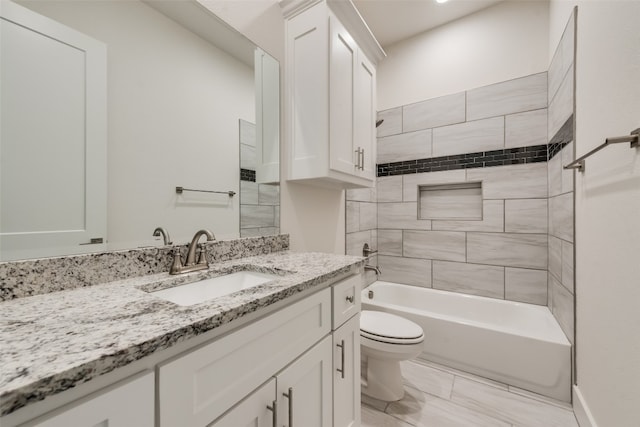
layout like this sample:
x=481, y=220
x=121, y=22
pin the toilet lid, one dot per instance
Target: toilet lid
x=387, y=325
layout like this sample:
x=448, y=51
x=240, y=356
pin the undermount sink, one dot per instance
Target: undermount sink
x=207, y=289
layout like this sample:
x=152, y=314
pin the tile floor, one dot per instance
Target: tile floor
x=437, y=396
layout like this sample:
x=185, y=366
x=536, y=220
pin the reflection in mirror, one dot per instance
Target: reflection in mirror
x=259, y=203
x=173, y=100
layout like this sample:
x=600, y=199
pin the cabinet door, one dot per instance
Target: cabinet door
x=346, y=374
x=53, y=120
x=126, y=405
x=342, y=70
x=198, y=387
x=365, y=115
x=257, y=410
x=307, y=99
x=304, y=389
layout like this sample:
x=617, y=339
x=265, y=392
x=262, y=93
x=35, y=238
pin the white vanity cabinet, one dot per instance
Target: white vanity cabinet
x=298, y=365
x=330, y=101
x=125, y=404
x=346, y=352
x=198, y=387
x=257, y=410
x=304, y=389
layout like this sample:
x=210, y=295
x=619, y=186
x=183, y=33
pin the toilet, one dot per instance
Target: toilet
x=385, y=341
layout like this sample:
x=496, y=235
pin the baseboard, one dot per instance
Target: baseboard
x=581, y=410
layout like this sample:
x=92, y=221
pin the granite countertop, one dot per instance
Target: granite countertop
x=52, y=342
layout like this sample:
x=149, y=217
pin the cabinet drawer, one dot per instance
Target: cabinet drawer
x=198, y=387
x=346, y=299
x=127, y=403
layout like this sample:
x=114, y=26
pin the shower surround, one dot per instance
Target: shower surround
x=512, y=138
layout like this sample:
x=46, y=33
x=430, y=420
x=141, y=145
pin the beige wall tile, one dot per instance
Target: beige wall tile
x=555, y=257
x=361, y=194
x=508, y=249
x=492, y=220
x=561, y=105
x=528, y=181
x=406, y=146
x=355, y=242
x=268, y=194
x=554, y=167
x=392, y=124
x=475, y=279
x=469, y=137
x=434, y=112
x=561, y=216
x=368, y=216
x=525, y=129
x=248, y=193
x=353, y=217
x=562, y=307
x=526, y=285
x=513, y=96
x=389, y=188
x=401, y=216
x=390, y=242
x=257, y=216
x=525, y=216
x=438, y=245
x=408, y=271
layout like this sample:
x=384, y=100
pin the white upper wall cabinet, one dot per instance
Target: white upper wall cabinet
x=330, y=94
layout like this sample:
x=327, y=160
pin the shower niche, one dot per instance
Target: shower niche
x=460, y=201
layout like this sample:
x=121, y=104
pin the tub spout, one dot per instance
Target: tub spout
x=373, y=268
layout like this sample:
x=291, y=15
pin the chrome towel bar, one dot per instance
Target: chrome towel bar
x=632, y=139
x=180, y=190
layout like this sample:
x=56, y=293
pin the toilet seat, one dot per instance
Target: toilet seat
x=389, y=328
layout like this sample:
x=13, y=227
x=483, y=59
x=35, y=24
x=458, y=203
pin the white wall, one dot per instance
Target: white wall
x=607, y=210
x=313, y=217
x=174, y=101
x=503, y=42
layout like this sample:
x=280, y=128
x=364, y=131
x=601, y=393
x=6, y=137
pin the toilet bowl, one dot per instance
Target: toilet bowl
x=385, y=341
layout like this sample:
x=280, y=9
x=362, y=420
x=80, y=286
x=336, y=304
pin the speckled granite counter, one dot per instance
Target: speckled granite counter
x=52, y=342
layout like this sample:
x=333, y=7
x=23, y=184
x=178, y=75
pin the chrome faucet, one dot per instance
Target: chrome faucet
x=165, y=235
x=190, y=263
x=367, y=252
x=373, y=268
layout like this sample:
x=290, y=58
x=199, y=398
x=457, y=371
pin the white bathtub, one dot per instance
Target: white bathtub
x=515, y=343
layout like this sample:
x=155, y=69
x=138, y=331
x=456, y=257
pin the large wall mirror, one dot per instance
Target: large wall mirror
x=120, y=104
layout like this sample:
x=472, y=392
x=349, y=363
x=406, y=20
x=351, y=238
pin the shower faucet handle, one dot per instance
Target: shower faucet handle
x=366, y=251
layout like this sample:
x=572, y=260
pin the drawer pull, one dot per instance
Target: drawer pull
x=290, y=397
x=274, y=413
x=350, y=299
x=341, y=370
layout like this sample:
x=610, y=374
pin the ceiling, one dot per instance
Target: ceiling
x=395, y=20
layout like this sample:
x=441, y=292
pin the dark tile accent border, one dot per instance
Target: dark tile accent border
x=482, y=159
x=561, y=138
x=247, y=175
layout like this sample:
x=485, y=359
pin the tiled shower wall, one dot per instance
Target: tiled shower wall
x=496, y=135
x=561, y=213
x=504, y=136
x=259, y=203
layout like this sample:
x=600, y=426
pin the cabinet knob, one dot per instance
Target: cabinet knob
x=350, y=299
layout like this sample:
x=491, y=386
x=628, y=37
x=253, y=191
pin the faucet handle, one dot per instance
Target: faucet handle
x=202, y=256
x=176, y=266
